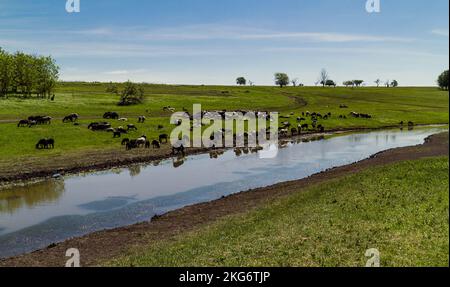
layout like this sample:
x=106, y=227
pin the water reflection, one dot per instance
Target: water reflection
x=30, y=195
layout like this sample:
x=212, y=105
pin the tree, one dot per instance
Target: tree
x=132, y=94
x=323, y=77
x=348, y=83
x=378, y=82
x=387, y=84
x=443, y=80
x=394, y=84
x=358, y=83
x=281, y=79
x=5, y=72
x=294, y=82
x=241, y=81
x=27, y=74
x=330, y=83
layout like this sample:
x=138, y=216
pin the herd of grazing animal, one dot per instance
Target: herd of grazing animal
x=143, y=142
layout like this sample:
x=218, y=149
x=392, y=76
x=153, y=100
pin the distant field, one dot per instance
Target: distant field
x=387, y=106
x=400, y=209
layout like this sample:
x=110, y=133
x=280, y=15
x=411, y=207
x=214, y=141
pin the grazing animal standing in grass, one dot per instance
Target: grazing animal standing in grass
x=156, y=144
x=294, y=131
x=141, y=119
x=32, y=124
x=147, y=144
x=117, y=134
x=23, y=123
x=123, y=120
x=125, y=141
x=160, y=127
x=70, y=118
x=132, y=127
x=45, y=144
x=111, y=115
x=164, y=138
x=141, y=141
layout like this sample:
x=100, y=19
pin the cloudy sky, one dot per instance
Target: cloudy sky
x=214, y=41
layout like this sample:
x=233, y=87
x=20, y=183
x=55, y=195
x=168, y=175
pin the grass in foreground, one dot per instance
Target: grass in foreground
x=401, y=209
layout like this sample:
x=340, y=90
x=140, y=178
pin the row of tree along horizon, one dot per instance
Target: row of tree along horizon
x=23, y=74
x=283, y=80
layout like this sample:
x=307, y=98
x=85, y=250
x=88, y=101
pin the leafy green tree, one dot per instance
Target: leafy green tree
x=330, y=83
x=132, y=94
x=394, y=84
x=443, y=80
x=5, y=72
x=281, y=79
x=241, y=81
x=358, y=83
x=348, y=83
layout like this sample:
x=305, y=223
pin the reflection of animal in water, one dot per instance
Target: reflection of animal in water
x=178, y=162
x=237, y=151
x=215, y=154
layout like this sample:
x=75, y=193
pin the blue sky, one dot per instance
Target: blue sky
x=213, y=42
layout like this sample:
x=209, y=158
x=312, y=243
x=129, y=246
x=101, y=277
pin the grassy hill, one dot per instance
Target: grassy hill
x=387, y=106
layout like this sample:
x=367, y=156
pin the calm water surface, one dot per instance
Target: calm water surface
x=38, y=214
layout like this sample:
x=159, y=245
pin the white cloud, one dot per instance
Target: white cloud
x=440, y=32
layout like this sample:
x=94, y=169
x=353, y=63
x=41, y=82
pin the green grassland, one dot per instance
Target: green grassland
x=387, y=106
x=402, y=210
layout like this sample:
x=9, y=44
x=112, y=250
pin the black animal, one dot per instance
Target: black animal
x=164, y=138
x=132, y=144
x=131, y=127
x=156, y=144
x=45, y=144
x=117, y=134
x=147, y=144
x=70, y=118
x=294, y=131
x=40, y=119
x=141, y=119
x=23, y=123
x=99, y=126
x=125, y=141
x=111, y=115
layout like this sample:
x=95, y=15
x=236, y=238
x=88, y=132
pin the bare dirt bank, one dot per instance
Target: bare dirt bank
x=104, y=245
